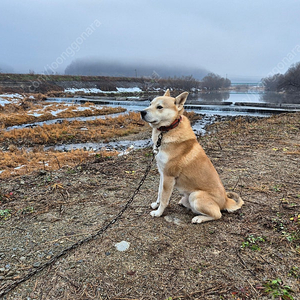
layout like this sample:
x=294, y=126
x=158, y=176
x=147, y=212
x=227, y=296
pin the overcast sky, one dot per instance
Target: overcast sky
x=234, y=38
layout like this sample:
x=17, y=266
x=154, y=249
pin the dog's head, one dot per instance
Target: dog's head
x=164, y=110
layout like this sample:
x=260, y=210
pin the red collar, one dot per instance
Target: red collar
x=172, y=126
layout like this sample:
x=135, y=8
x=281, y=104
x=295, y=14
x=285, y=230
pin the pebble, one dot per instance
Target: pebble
x=10, y=273
x=22, y=258
x=48, y=218
x=36, y=264
x=2, y=270
x=174, y=220
x=122, y=246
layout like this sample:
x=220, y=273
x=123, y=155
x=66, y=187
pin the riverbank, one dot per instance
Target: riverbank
x=237, y=257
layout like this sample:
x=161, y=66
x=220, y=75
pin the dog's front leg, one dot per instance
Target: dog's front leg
x=155, y=204
x=165, y=190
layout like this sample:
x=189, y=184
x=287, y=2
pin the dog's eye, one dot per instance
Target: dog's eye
x=159, y=107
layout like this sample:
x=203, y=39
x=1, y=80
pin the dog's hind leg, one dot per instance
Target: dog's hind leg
x=184, y=201
x=201, y=203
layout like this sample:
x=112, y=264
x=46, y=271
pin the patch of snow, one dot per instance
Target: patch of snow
x=95, y=90
x=20, y=167
x=86, y=91
x=12, y=96
x=35, y=114
x=3, y=101
x=82, y=108
x=129, y=90
x=56, y=112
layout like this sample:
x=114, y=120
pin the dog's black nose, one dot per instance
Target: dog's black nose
x=143, y=113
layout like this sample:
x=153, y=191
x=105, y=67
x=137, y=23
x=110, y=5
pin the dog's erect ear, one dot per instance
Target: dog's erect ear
x=180, y=100
x=167, y=93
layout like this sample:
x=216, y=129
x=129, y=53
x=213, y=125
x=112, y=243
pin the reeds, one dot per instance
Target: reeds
x=19, y=162
x=74, y=131
x=27, y=111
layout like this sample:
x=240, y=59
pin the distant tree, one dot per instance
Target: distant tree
x=291, y=80
x=288, y=82
x=186, y=83
x=215, y=82
x=227, y=83
x=273, y=82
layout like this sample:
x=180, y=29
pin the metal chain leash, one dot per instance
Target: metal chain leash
x=50, y=262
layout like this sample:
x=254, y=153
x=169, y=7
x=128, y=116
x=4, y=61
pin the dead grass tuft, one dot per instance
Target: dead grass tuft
x=20, y=162
x=75, y=131
x=27, y=111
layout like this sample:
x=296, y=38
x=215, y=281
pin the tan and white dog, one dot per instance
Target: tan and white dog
x=182, y=163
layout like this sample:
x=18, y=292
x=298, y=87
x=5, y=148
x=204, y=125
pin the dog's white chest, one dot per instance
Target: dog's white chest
x=161, y=159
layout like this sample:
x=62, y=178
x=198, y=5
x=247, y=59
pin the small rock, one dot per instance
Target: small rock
x=22, y=258
x=22, y=182
x=2, y=270
x=48, y=218
x=10, y=273
x=174, y=220
x=122, y=246
x=36, y=264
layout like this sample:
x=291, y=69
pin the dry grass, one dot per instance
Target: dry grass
x=27, y=111
x=232, y=258
x=21, y=162
x=75, y=131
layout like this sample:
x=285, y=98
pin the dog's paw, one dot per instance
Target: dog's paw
x=201, y=219
x=154, y=205
x=155, y=213
x=197, y=220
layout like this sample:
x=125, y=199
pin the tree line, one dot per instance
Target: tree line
x=211, y=82
x=288, y=82
x=159, y=75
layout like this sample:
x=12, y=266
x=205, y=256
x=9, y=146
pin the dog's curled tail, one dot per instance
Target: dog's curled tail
x=233, y=201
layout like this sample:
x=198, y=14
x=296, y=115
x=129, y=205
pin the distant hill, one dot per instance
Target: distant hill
x=90, y=67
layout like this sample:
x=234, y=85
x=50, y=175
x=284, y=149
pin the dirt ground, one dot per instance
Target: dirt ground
x=253, y=253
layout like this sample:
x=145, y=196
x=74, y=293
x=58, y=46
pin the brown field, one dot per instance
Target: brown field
x=17, y=159
x=61, y=198
x=253, y=253
x=23, y=112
